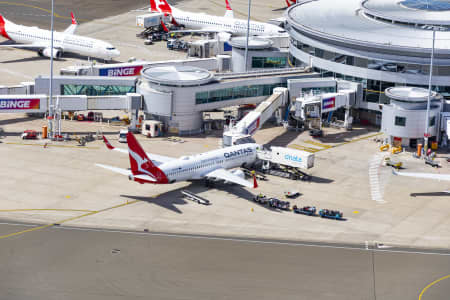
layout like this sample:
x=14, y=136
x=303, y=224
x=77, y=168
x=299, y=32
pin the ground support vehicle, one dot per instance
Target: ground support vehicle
x=277, y=203
x=193, y=197
x=291, y=194
x=393, y=163
x=316, y=133
x=432, y=162
x=29, y=135
x=261, y=199
x=331, y=214
x=249, y=173
x=305, y=210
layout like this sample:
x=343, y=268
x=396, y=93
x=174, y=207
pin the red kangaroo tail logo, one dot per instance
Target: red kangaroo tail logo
x=107, y=143
x=228, y=5
x=74, y=21
x=160, y=6
x=2, y=28
x=140, y=163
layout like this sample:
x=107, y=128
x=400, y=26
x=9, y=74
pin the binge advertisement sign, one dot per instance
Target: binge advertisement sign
x=121, y=71
x=20, y=104
x=328, y=103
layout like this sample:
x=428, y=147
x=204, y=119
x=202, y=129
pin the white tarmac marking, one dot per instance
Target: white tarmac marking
x=374, y=178
x=244, y=240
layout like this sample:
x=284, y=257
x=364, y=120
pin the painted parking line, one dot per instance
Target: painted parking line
x=318, y=144
x=431, y=284
x=89, y=213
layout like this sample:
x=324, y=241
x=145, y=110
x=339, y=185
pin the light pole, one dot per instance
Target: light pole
x=427, y=121
x=50, y=110
x=248, y=33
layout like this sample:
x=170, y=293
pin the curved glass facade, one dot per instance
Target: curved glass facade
x=373, y=89
x=431, y=5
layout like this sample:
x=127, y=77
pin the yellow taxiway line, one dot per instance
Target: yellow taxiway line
x=67, y=220
x=431, y=284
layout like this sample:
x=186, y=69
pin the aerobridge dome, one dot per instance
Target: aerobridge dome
x=177, y=75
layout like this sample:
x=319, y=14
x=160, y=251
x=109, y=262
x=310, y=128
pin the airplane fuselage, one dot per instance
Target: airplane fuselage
x=61, y=41
x=196, y=166
x=237, y=27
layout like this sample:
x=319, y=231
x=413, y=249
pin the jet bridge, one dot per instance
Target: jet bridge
x=242, y=132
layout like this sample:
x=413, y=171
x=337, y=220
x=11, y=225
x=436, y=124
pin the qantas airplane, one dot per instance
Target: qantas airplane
x=226, y=25
x=445, y=177
x=212, y=165
x=40, y=40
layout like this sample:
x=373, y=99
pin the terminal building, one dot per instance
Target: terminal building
x=379, y=43
x=404, y=118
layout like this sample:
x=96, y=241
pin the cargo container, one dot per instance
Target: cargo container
x=149, y=20
x=292, y=157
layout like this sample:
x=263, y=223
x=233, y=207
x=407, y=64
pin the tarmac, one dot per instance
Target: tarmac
x=82, y=263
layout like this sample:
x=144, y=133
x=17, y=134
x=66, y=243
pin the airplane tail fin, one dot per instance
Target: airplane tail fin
x=161, y=6
x=108, y=144
x=287, y=3
x=74, y=21
x=2, y=27
x=141, y=164
x=229, y=13
x=73, y=27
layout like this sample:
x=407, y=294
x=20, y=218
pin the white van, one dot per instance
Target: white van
x=123, y=135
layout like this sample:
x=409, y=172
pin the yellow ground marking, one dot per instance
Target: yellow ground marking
x=89, y=213
x=314, y=150
x=431, y=284
x=318, y=144
x=51, y=145
x=45, y=209
x=67, y=197
x=356, y=212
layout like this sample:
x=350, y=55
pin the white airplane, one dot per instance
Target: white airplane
x=212, y=165
x=40, y=40
x=445, y=177
x=225, y=26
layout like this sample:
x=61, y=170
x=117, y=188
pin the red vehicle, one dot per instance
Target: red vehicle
x=29, y=135
x=81, y=117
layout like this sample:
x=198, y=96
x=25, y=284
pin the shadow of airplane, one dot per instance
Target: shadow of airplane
x=167, y=200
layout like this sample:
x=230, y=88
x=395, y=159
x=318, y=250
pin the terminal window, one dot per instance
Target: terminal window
x=269, y=62
x=236, y=93
x=400, y=121
x=96, y=90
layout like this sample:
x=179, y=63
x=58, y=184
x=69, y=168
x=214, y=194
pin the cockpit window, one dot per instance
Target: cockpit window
x=110, y=48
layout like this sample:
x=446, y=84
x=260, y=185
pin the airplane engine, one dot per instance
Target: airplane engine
x=47, y=52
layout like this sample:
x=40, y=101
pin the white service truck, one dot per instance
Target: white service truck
x=285, y=162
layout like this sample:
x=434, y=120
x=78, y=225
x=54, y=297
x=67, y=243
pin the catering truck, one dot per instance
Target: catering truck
x=285, y=162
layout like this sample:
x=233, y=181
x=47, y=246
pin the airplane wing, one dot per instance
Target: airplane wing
x=156, y=159
x=424, y=175
x=228, y=176
x=125, y=172
x=115, y=169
